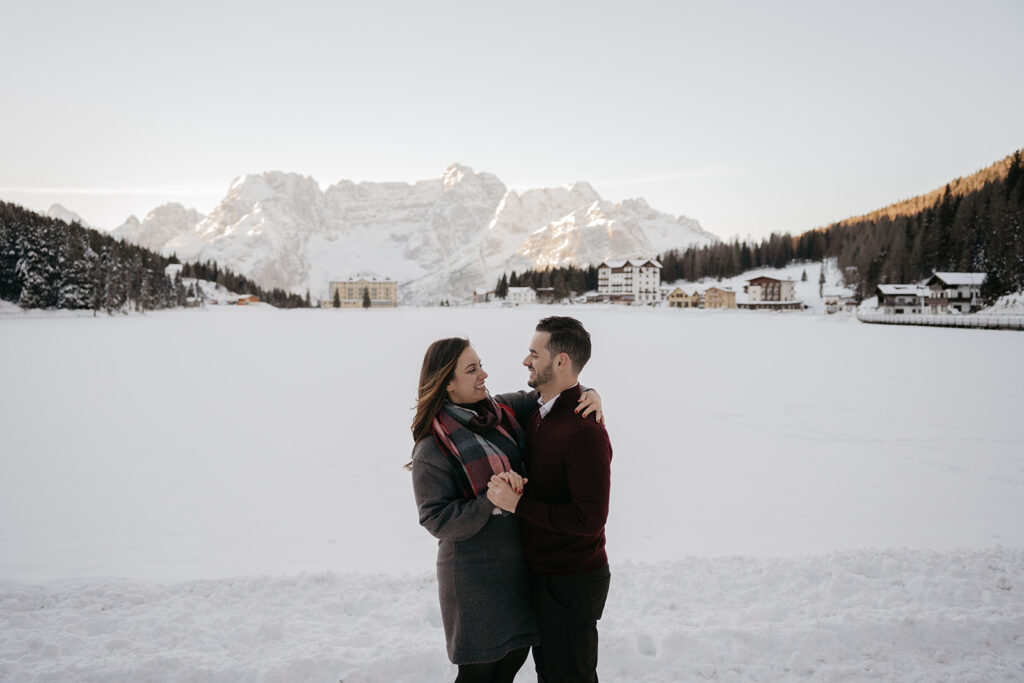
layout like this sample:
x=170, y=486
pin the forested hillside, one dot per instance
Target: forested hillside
x=973, y=224
x=47, y=263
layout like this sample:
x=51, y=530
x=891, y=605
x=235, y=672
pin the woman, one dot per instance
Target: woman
x=463, y=437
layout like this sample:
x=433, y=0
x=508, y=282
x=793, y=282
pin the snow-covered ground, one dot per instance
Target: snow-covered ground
x=218, y=495
x=1008, y=304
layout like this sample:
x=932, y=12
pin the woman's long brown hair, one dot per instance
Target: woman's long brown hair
x=438, y=369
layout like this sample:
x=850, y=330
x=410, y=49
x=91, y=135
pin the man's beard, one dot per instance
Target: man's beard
x=543, y=376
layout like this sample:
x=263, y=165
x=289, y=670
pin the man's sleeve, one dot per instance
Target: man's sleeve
x=522, y=403
x=588, y=470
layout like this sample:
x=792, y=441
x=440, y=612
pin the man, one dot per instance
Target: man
x=564, y=506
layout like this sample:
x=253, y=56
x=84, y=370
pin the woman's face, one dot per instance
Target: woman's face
x=467, y=385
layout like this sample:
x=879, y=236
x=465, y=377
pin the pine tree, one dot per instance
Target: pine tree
x=366, y=297
x=98, y=277
x=336, y=301
x=180, y=295
x=76, y=275
x=577, y=282
x=560, y=285
x=37, y=267
x=10, y=282
x=115, y=292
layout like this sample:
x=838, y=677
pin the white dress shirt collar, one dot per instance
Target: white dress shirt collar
x=545, y=408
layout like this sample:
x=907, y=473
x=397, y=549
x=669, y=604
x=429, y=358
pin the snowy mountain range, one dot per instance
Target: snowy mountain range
x=67, y=215
x=439, y=238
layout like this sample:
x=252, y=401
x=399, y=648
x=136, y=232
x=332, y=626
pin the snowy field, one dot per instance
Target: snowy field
x=218, y=495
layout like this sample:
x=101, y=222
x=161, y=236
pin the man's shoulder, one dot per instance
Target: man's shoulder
x=591, y=427
x=573, y=424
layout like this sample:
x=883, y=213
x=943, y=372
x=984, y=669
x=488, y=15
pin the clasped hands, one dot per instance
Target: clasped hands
x=505, y=490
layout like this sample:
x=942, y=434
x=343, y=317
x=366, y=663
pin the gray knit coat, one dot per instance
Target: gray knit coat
x=482, y=578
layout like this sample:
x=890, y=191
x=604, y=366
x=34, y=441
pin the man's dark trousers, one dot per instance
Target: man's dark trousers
x=568, y=607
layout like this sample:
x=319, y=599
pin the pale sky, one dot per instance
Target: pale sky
x=751, y=117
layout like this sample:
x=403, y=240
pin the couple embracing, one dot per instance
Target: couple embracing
x=515, y=487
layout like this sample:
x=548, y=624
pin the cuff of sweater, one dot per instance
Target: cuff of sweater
x=528, y=509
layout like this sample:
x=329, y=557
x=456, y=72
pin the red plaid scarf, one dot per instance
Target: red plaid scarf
x=459, y=434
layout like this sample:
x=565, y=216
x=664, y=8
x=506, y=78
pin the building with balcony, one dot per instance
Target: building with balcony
x=901, y=299
x=954, y=292
x=719, y=297
x=678, y=298
x=521, y=295
x=636, y=281
x=351, y=293
x=769, y=293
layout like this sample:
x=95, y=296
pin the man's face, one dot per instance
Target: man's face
x=539, y=361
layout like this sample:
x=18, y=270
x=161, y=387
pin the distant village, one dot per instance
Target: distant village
x=637, y=282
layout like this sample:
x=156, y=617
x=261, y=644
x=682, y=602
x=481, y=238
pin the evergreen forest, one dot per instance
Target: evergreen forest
x=564, y=281
x=47, y=263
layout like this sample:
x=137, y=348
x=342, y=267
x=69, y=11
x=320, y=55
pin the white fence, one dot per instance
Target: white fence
x=991, y=322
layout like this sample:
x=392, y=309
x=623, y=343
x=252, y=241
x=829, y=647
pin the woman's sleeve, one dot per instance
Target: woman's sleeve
x=444, y=511
x=521, y=402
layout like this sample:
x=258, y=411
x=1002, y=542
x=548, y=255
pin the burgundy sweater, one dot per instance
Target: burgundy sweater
x=568, y=464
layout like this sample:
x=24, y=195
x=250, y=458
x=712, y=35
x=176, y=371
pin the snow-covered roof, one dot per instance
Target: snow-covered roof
x=907, y=290
x=956, y=279
x=520, y=289
x=631, y=262
x=366, y=277
x=767, y=277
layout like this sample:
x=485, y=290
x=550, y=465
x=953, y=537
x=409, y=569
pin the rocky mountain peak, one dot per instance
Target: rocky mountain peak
x=68, y=216
x=439, y=238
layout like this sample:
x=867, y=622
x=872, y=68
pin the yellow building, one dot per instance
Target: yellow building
x=680, y=299
x=716, y=297
x=350, y=293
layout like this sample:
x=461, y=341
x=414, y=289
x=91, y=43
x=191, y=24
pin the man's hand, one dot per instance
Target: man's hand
x=590, y=402
x=501, y=493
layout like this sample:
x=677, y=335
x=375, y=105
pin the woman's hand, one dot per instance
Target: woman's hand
x=501, y=494
x=590, y=402
x=517, y=482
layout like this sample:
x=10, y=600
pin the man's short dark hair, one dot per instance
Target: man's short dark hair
x=567, y=336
